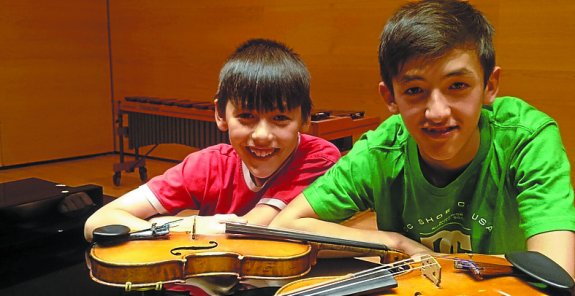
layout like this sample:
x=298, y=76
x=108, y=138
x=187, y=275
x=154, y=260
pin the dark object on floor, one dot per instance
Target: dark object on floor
x=41, y=227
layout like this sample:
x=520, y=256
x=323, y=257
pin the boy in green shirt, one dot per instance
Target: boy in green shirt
x=455, y=169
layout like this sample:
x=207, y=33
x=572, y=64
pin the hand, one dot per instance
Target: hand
x=404, y=244
x=215, y=224
x=203, y=224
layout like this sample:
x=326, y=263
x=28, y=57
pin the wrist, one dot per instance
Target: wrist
x=392, y=240
x=397, y=241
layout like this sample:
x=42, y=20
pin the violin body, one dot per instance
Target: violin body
x=453, y=281
x=144, y=263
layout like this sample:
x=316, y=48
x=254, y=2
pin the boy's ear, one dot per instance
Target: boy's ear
x=492, y=86
x=220, y=120
x=387, y=96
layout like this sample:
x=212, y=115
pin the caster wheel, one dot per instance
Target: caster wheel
x=117, y=178
x=143, y=174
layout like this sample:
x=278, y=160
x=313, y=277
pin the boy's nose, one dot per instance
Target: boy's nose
x=262, y=132
x=438, y=108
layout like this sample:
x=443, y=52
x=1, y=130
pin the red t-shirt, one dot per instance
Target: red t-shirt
x=214, y=180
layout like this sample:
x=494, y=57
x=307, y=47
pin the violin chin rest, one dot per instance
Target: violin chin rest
x=110, y=234
x=543, y=269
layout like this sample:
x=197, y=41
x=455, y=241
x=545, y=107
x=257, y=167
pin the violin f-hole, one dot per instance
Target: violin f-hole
x=212, y=244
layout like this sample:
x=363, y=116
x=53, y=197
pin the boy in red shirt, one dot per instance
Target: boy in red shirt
x=263, y=102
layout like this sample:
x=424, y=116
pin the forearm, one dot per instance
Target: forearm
x=299, y=215
x=260, y=215
x=109, y=216
x=559, y=246
x=392, y=240
x=129, y=210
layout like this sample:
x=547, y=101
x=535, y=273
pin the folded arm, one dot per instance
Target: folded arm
x=133, y=209
x=300, y=215
x=129, y=210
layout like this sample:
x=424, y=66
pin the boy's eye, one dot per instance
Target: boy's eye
x=413, y=91
x=245, y=116
x=281, y=117
x=458, y=85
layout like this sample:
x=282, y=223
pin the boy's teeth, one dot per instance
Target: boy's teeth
x=262, y=153
x=440, y=130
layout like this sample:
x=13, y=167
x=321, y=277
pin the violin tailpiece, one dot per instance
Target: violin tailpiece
x=480, y=270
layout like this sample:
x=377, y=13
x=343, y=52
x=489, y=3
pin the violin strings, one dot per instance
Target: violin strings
x=403, y=263
x=356, y=278
x=332, y=287
x=298, y=235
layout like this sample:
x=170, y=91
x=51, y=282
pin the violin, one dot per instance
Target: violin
x=146, y=263
x=519, y=273
x=254, y=252
x=243, y=252
x=457, y=274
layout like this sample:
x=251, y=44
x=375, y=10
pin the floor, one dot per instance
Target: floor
x=96, y=170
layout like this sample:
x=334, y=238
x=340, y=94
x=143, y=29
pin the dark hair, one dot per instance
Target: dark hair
x=265, y=75
x=430, y=29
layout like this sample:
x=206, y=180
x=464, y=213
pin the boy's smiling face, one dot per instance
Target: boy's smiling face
x=262, y=140
x=440, y=103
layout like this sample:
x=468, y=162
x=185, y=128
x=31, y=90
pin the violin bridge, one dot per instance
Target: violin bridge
x=431, y=269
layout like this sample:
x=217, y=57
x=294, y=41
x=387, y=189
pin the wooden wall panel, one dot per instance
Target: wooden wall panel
x=535, y=48
x=55, y=90
x=176, y=49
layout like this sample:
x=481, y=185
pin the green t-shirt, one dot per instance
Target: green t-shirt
x=518, y=184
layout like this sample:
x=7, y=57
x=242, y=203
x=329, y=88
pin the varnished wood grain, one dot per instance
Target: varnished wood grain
x=55, y=91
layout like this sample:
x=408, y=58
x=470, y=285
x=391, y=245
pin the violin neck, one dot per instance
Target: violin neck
x=265, y=232
x=321, y=242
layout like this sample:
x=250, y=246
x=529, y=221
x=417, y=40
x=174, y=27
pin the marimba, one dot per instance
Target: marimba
x=154, y=121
